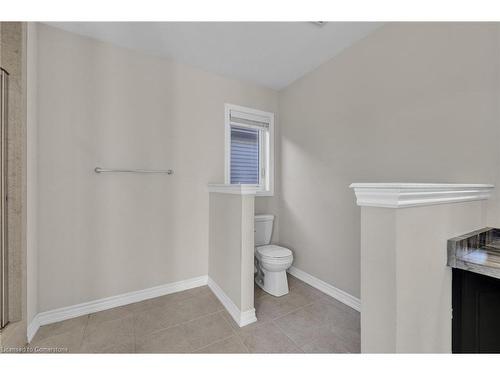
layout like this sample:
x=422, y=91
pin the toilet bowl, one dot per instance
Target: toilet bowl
x=271, y=261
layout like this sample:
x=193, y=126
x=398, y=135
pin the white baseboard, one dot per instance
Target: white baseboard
x=242, y=318
x=326, y=288
x=74, y=311
x=33, y=328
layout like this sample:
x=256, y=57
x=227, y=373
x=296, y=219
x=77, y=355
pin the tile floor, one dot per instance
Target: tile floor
x=194, y=321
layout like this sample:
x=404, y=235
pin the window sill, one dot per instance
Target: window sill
x=241, y=189
x=265, y=193
x=237, y=189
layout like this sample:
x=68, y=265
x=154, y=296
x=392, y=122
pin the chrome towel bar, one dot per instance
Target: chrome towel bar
x=104, y=170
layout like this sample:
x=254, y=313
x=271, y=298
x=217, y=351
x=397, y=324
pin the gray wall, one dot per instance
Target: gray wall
x=99, y=105
x=414, y=102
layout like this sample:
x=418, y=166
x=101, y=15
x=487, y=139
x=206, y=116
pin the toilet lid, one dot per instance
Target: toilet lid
x=274, y=251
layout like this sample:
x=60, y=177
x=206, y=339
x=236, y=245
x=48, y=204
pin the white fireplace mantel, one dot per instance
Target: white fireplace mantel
x=400, y=195
x=405, y=285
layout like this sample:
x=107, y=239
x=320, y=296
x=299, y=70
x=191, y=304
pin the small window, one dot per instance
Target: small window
x=249, y=154
x=245, y=162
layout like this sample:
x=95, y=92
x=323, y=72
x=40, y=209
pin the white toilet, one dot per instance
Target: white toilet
x=271, y=261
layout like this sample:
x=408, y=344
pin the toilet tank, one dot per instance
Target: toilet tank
x=263, y=229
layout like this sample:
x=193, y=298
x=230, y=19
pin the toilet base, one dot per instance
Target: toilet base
x=274, y=283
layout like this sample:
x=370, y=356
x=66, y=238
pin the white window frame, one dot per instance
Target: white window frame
x=267, y=159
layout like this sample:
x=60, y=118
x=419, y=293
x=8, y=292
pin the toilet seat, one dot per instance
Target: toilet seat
x=273, y=252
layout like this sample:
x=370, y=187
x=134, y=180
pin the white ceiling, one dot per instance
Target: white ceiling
x=272, y=54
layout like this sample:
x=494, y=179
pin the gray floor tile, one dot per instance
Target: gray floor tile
x=198, y=306
x=111, y=314
x=334, y=316
x=198, y=292
x=302, y=326
x=235, y=326
x=303, y=320
x=158, y=318
x=170, y=299
x=267, y=338
x=232, y=344
x=341, y=306
x=61, y=327
x=66, y=342
x=350, y=338
x=310, y=293
x=258, y=292
x=207, y=330
x=99, y=336
x=326, y=342
x=170, y=340
x=294, y=282
x=270, y=307
x=125, y=348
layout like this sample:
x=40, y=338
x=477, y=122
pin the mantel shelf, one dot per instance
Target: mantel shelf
x=400, y=195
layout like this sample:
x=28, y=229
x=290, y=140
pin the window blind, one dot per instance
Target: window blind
x=244, y=155
x=248, y=120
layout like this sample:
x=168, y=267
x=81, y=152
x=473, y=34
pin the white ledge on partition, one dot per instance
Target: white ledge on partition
x=400, y=195
x=239, y=189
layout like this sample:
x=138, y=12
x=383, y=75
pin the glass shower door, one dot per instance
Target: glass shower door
x=4, y=303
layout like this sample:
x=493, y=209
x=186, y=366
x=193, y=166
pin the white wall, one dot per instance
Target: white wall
x=231, y=247
x=410, y=102
x=413, y=102
x=99, y=105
